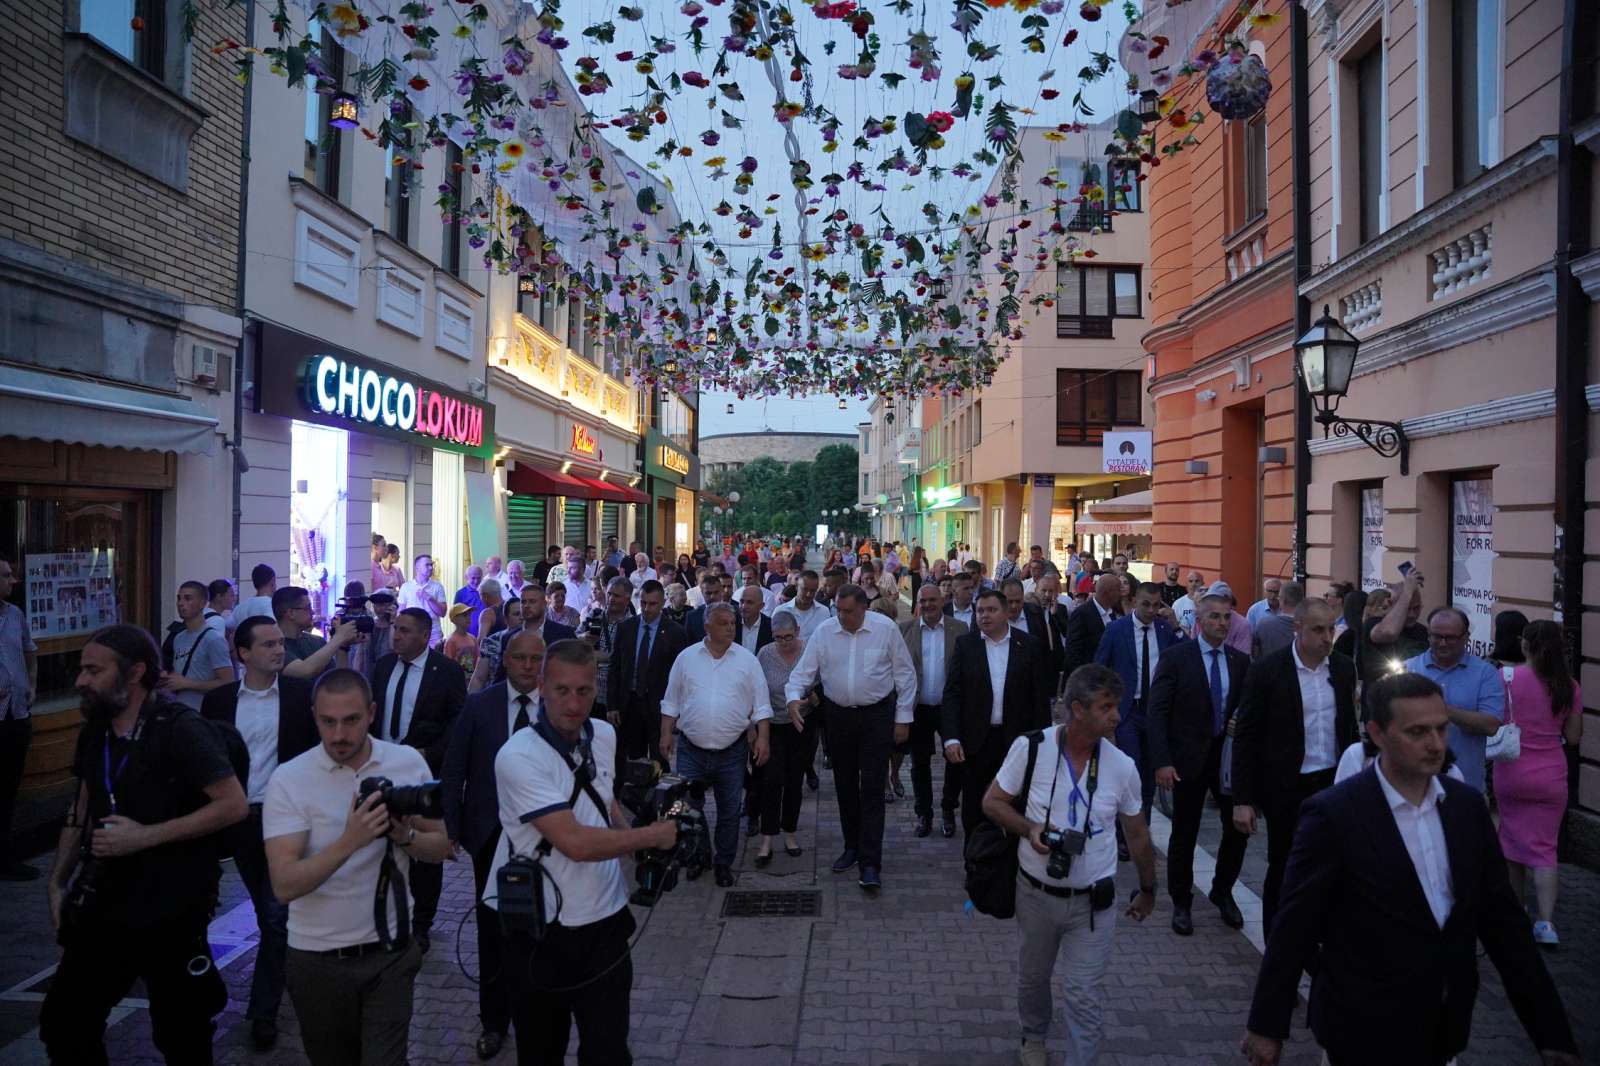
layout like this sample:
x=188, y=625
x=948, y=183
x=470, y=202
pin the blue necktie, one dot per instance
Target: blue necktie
x=1217, y=723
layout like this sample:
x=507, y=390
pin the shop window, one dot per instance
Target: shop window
x=397, y=180
x=317, y=489
x=1089, y=297
x=1089, y=402
x=455, y=179
x=1474, y=51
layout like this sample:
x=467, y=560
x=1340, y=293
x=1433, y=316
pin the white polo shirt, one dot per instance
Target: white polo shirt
x=312, y=794
x=1116, y=792
x=534, y=778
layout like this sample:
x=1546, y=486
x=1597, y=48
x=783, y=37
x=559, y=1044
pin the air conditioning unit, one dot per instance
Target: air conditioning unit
x=205, y=368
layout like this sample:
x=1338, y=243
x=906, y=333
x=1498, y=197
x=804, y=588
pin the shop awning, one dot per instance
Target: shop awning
x=712, y=498
x=1111, y=527
x=528, y=480
x=1139, y=502
x=611, y=490
x=76, y=411
x=963, y=503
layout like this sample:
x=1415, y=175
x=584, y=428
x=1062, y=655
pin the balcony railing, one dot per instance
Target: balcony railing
x=1091, y=217
x=1098, y=326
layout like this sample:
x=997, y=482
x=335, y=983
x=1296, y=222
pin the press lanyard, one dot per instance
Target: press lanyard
x=111, y=779
x=1072, y=797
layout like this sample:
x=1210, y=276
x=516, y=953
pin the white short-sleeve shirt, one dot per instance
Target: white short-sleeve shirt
x=534, y=778
x=1116, y=792
x=312, y=794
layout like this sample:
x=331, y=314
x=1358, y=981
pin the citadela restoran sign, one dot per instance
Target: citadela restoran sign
x=305, y=378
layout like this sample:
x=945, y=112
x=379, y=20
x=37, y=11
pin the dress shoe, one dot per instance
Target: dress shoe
x=490, y=1043
x=949, y=827
x=724, y=876
x=1032, y=1053
x=827, y=762
x=1229, y=909
x=924, y=824
x=263, y=1033
x=846, y=860
x=763, y=861
x=1182, y=920
x=794, y=852
x=870, y=882
x=812, y=781
x=423, y=940
x=18, y=871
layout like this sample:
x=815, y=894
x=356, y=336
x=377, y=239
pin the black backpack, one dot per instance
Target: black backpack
x=157, y=727
x=991, y=855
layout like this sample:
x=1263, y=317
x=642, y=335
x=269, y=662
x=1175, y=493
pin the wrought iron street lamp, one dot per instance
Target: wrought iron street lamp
x=1325, y=358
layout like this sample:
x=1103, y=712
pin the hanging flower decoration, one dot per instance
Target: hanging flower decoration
x=1237, y=85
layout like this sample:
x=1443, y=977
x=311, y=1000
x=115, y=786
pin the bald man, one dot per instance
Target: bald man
x=1088, y=623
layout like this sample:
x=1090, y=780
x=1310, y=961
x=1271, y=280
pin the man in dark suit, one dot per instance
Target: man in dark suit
x=1133, y=646
x=419, y=693
x=751, y=628
x=977, y=733
x=1056, y=618
x=1088, y=623
x=931, y=638
x=276, y=724
x=712, y=587
x=1025, y=617
x=646, y=647
x=1395, y=878
x=1296, y=716
x=472, y=813
x=1193, y=695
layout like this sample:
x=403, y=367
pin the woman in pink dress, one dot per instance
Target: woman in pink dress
x=1545, y=704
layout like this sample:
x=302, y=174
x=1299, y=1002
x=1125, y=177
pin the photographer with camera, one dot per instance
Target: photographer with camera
x=307, y=655
x=557, y=882
x=155, y=786
x=1074, y=786
x=341, y=832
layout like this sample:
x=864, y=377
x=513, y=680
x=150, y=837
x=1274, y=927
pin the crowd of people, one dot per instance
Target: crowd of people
x=1066, y=702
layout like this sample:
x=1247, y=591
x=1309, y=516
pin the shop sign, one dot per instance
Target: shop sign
x=672, y=459
x=1472, y=559
x=1126, y=452
x=584, y=441
x=665, y=461
x=305, y=378
x=939, y=497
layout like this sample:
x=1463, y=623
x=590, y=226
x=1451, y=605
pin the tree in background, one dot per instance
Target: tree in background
x=789, y=499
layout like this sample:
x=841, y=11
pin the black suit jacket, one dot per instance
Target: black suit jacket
x=969, y=696
x=763, y=634
x=669, y=642
x=1354, y=913
x=694, y=624
x=1084, y=630
x=471, y=803
x=1178, y=715
x=440, y=697
x=297, y=728
x=1269, y=741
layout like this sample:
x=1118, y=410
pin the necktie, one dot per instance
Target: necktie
x=1144, y=663
x=644, y=658
x=399, y=700
x=1217, y=723
x=522, y=712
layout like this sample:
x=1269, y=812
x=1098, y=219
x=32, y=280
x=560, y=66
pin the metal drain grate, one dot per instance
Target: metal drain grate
x=771, y=905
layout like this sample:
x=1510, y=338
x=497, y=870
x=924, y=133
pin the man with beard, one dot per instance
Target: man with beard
x=155, y=785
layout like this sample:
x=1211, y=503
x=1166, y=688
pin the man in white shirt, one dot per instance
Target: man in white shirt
x=642, y=572
x=754, y=628
x=350, y=981
x=1187, y=606
x=265, y=581
x=575, y=575
x=555, y=783
x=805, y=607
x=869, y=699
x=931, y=638
x=716, y=693
x=425, y=593
x=1078, y=783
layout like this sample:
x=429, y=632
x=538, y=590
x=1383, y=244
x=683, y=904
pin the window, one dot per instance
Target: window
x=675, y=420
x=456, y=181
x=1089, y=297
x=111, y=23
x=1369, y=140
x=977, y=423
x=323, y=142
x=1089, y=402
x=1255, y=167
x=1124, y=190
x=574, y=321
x=397, y=180
x=1474, y=49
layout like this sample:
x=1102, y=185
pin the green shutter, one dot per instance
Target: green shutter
x=575, y=522
x=610, y=515
x=525, y=524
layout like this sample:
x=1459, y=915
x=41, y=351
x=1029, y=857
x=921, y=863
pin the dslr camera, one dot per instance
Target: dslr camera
x=403, y=801
x=652, y=796
x=354, y=608
x=1064, y=845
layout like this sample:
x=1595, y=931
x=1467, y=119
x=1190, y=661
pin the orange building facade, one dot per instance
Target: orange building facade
x=1222, y=310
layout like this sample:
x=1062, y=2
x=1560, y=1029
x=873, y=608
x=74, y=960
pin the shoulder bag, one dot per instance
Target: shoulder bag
x=991, y=855
x=1506, y=744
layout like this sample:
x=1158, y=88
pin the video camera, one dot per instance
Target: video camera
x=403, y=801
x=652, y=796
x=354, y=608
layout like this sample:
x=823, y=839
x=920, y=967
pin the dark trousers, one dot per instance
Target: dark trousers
x=1188, y=805
x=98, y=967
x=571, y=955
x=354, y=1011
x=1282, y=811
x=923, y=745
x=427, y=882
x=979, y=769
x=494, y=983
x=16, y=734
x=859, y=740
x=780, y=780
x=641, y=729
x=816, y=735
x=272, y=917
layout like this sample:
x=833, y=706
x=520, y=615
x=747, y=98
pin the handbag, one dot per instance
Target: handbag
x=991, y=853
x=1506, y=744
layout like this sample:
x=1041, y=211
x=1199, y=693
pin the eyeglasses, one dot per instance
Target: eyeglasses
x=1448, y=638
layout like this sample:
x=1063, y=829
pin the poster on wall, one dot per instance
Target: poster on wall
x=1472, y=558
x=70, y=593
x=1371, y=538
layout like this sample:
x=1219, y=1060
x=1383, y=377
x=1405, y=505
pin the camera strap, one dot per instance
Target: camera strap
x=391, y=881
x=581, y=784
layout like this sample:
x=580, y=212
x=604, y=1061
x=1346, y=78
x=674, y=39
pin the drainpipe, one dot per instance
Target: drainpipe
x=1574, y=192
x=1300, y=149
x=246, y=345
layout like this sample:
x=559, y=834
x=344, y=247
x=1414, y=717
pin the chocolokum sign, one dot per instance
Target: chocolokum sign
x=307, y=379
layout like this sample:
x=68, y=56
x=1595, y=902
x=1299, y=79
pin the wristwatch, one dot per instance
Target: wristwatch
x=410, y=840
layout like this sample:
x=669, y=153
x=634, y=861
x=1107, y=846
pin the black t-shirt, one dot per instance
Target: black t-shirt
x=1171, y=594
x=541, y=572
x=1377, y=660
x=159, y=774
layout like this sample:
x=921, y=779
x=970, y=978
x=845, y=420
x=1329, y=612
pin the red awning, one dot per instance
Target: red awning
x=630, y=494
x=528, y=480
x=600, y=490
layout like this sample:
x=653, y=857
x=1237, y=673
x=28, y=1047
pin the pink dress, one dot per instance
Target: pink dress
x=1531, y=790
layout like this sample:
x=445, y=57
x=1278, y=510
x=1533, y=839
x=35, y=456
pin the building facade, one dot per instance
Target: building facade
x=888, y=448
x=723, y=453
x=1222, y=312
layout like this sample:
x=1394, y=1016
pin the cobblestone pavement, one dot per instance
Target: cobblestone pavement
x=906, y=978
